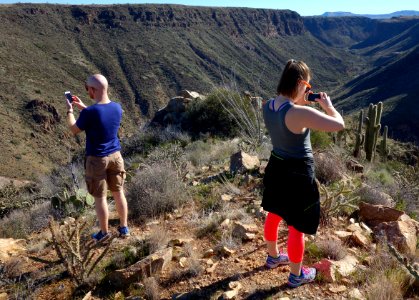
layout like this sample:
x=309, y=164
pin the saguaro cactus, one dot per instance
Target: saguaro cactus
x=373, y=129
x=359, y=135
x=383, y=145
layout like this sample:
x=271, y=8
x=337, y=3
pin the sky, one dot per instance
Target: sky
x=303, y=7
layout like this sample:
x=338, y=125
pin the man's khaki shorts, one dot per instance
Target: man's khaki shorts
x=103, y=173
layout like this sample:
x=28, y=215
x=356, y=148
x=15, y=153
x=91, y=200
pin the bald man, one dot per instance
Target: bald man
x=104, y=165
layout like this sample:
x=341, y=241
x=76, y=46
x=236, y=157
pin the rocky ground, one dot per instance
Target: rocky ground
x=200, y=268
x=212, y=246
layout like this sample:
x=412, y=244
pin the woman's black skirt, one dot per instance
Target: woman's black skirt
x=292, y=193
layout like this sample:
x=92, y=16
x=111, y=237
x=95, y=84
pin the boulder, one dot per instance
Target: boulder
x=180, y=242
x=10, y=247
x=355, y=166
x=328, y=269
x=235, y=287
x=355, y=294
x=337, y=289
x=360, y=240
x=343, y=235
x=189, y=94
x=147, y=267
x=241, y=162
x=354, y=227
x=245, y=232
x=346, y=266
x=402, y=234
x=177, y=104
x=173, y=113
x=4, y=296
x=373, y=215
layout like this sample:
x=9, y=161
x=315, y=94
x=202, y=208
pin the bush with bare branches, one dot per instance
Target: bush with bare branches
x=79, y=256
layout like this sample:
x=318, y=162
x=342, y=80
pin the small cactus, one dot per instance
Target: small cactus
x=373, y=129
x=404, y=262
x=359, y=136
x=383, y=145
x=67, y=203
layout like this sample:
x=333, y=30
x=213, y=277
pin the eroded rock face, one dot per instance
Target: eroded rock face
x=269, y=23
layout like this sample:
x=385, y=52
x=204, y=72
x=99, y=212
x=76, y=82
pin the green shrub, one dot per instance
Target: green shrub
x=72, y=204
x=130, y=254
x=149, y=138
x=209, y=116
x=208, y=197
x=209, y=152
x=320, y=140
x=381, y=176
x=313, y=251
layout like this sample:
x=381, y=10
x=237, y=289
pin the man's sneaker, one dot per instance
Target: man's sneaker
x=123, y=231
x=307, y=275
x=273, y=262
x=100, y=236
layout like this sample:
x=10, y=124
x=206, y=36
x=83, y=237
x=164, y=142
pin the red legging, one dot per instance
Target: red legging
x=295, y=238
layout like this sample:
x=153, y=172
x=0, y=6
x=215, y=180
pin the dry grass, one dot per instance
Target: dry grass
x=154, y=190
x=192, y=268
x=151, y=289
x=158, y=238
x=329, y=167
x=386, y=279
x=201, y=153
x=383, y=288
x=332, y=249
x=207, y=222
x=20, y=223
x=374, y=196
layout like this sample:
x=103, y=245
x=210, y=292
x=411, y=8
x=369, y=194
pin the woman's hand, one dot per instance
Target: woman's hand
x=324, y=101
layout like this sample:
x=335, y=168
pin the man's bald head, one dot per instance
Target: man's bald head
x=98, y=82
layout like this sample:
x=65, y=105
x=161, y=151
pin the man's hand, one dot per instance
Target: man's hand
x=77, y=102
x=69, y=105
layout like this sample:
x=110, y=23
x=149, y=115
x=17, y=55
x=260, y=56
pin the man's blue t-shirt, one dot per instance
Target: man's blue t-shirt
x=101, y=123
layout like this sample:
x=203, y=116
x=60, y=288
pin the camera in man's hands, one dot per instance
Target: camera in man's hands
x=313, y=97
x=68, y=96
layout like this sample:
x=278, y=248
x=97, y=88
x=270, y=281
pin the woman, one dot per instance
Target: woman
x=290, y=191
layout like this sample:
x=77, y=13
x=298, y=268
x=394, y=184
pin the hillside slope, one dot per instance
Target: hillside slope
x=149, y=53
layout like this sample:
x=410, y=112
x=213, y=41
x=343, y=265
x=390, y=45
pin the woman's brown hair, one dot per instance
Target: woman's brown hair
x=294, y=72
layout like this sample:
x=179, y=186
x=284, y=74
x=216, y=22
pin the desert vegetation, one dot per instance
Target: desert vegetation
x=184, y=200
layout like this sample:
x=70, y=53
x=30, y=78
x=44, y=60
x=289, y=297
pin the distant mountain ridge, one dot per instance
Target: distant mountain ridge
x=151, y=52
x=402, y=13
